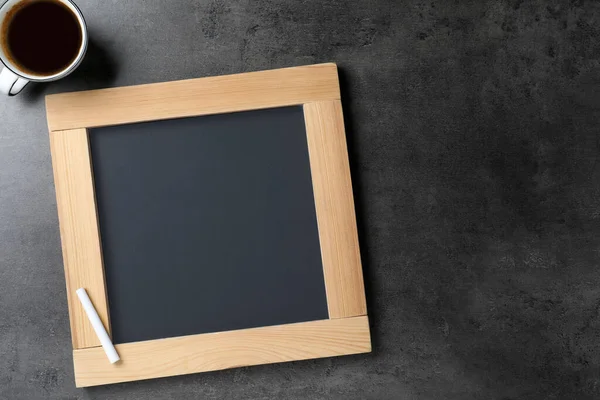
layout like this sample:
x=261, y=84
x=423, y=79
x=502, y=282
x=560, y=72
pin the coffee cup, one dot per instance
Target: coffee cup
x=40, y=41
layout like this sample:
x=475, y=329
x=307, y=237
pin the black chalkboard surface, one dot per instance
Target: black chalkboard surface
x=208, y=224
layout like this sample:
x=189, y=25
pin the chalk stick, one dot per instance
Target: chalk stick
x=94, y=318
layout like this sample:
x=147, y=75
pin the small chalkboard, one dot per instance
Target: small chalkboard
x=208, y=224
x=211, y=223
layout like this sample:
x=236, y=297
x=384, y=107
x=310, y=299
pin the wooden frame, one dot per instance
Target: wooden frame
x=316, y=87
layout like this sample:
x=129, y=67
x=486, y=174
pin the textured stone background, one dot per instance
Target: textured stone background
x=474, y=140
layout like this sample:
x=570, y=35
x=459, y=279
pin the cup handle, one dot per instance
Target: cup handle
x=11, y=84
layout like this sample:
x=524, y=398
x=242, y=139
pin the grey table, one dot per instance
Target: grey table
x=474, y=139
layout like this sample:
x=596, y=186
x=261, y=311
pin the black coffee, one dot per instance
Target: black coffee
x=41, y=37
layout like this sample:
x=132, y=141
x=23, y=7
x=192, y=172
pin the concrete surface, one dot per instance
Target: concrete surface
x=474, y=141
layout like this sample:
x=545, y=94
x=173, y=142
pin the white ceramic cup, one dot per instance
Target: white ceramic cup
x=12, y=78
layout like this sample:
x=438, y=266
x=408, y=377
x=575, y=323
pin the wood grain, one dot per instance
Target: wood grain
x=79, y=231
x=221, y=94
x=334, y=203
x=216, y=351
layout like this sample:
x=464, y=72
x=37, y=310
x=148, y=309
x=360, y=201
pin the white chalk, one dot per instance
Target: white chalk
x=94, y=318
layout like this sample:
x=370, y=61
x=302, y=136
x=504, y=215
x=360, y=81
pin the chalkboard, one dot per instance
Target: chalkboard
x=207, y=224
x=210, y=222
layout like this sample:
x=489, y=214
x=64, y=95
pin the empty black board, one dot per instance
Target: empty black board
x=208, y=224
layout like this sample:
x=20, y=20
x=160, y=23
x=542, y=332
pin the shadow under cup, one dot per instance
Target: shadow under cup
x=41, y=40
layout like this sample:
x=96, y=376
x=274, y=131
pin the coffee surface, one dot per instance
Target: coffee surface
x=41, y=37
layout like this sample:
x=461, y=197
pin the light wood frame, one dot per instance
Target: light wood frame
x=316, y=87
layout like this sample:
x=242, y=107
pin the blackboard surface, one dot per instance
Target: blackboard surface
x=208, y=224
